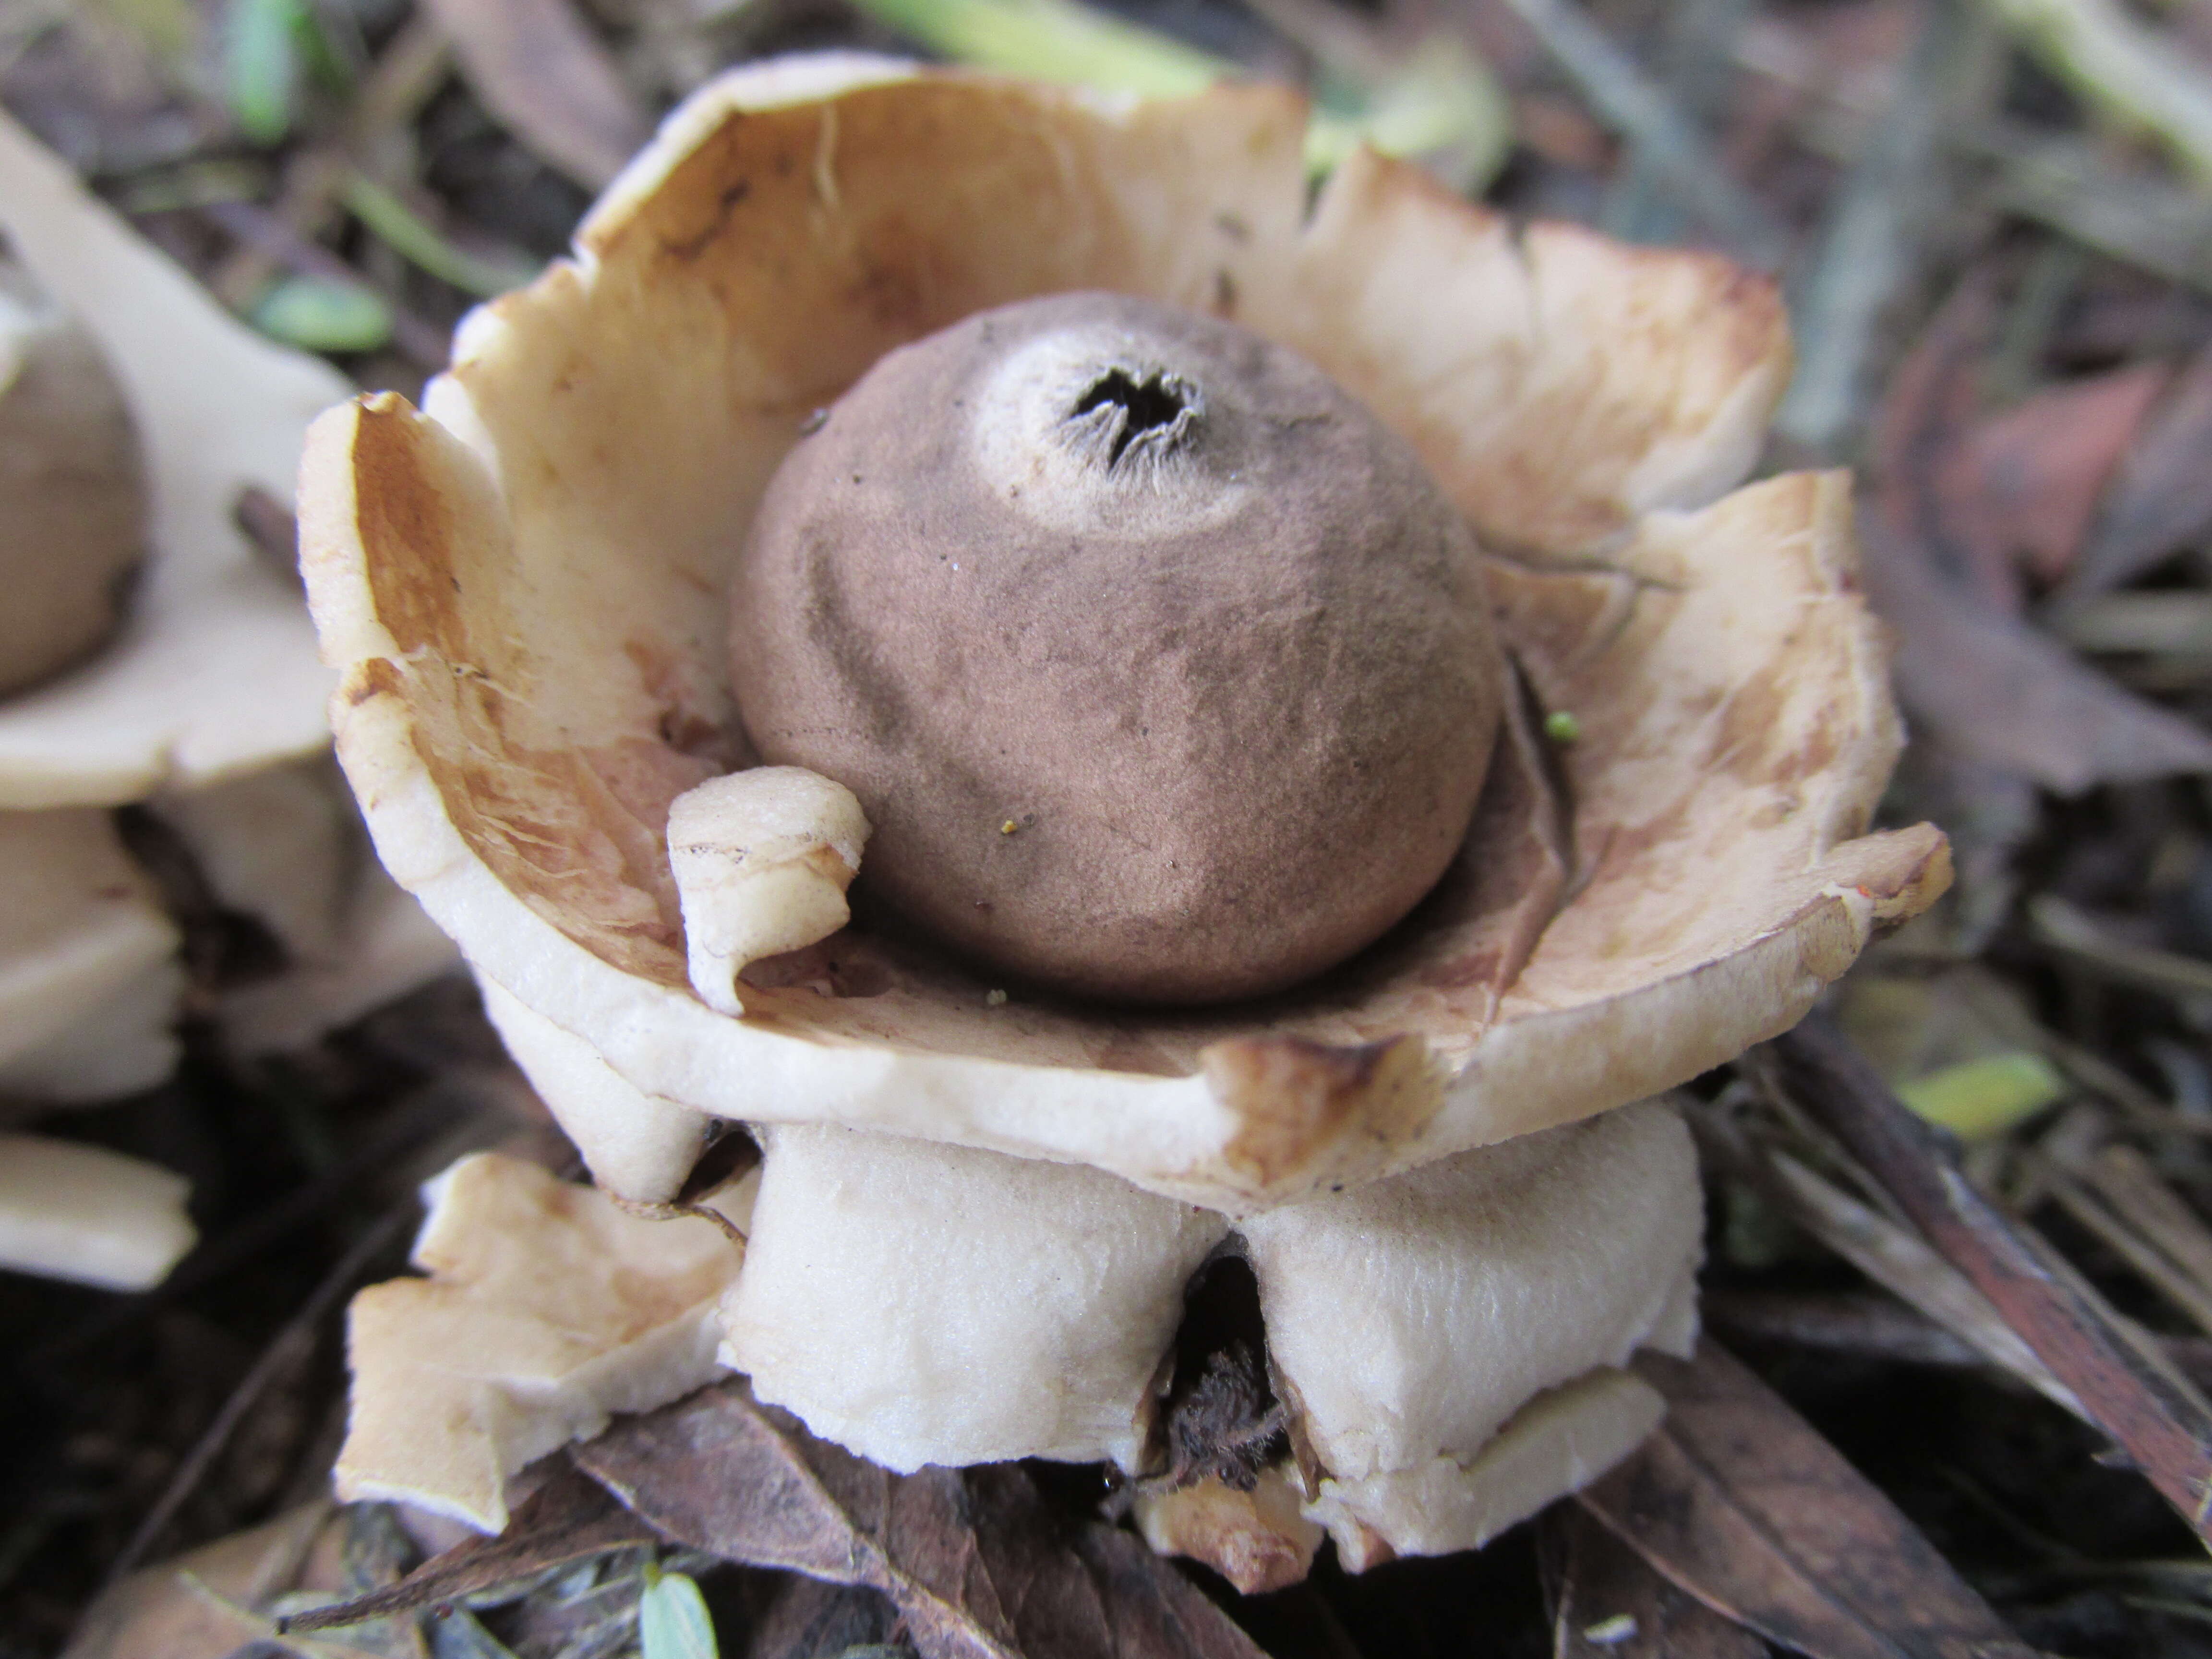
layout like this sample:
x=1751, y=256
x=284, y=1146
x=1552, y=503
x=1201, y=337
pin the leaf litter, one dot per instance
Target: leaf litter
x=1738, y=1502
x=978, y=1563
x=1610, y=1604
x=1994, y=687
x=2000, y=296
x=567, y=1519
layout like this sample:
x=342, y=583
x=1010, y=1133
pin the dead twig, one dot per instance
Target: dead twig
x=2123, y=1240
x=570, y=1519
x=1874, y=1326
x=2074, y=934
x=2135, y=1397
x=2123, y=66
x=420, y=341
x=1874, y=237
x=1680, y=158
x=2072, y=186
x=288, y=1348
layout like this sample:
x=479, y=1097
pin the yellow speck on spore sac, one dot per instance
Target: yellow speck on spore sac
x=1008, y=827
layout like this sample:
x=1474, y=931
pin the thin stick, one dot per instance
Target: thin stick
x=2132, y=1184
x=2070, y=186
x=1677, y=155
x=2132, y=1392
x=2072, y=933
x=289, y=1346
x=2130, y=1247
x=1872, y=240
x=1695, y=64
x=2135, y=73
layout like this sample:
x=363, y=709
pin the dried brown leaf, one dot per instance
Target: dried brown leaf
x=809, y=1619
x=2001, y=693
x=1738, y=1501
x=567, y=1518
x=2022, y=487
x=978, y=1563
x=538, y=68
x=2130, y=1390
x=1991, y=686
x=1610, y=1605
x=2161, y=497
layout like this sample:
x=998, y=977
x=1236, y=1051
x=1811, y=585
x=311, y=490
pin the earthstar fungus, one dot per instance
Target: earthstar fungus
x=212, y=673
x=197, y=691
x=521, y=585
x=152, y=655
x=534, y=664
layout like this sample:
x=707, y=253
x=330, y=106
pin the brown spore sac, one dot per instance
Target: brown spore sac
x=1162, y=670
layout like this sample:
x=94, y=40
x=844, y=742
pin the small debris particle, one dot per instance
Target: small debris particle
x=994, y=999
x=1612, y=1633
x=1560, y=726
x=1227, y=1426
x=814, y=423
x=1009, y=828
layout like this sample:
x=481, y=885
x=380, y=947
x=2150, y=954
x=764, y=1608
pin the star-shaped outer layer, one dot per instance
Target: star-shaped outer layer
x=545, y=1308
x=1447, y=1346
x=89, y=978
x=86, y=1214
x=522, y=588
x=1448, y=1343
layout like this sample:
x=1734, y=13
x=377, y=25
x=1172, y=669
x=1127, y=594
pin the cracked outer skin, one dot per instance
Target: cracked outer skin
x=1235, y=694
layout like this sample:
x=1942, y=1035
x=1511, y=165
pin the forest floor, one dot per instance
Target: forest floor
x=1992, y=219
